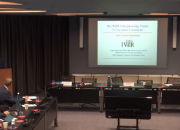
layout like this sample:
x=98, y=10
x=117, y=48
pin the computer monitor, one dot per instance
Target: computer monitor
x=143, y=104
x=68, y=78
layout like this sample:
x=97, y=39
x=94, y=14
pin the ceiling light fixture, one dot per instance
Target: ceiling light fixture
x=157, y=14
x=73, y=14
x=11, y=9
x=9, y=3
x=174, y=14
x=160, y=14
x=24, y=11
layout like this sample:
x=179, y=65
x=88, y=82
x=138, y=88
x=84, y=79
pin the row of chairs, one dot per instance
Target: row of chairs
x=114, y=80
x=94, y=80
x=119, y=79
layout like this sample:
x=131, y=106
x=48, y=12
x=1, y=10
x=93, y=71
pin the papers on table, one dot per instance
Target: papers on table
x=30, y=105
x=168, y=84
x=29, y=100
x=30, y=97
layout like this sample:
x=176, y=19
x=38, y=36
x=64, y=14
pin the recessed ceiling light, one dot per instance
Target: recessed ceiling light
x=9, y=3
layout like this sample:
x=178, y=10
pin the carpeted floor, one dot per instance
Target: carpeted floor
x=89, y=118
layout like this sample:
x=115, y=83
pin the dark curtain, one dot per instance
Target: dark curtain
x=36, y=48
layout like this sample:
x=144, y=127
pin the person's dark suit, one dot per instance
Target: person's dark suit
x=6, y=98
x=1, y=63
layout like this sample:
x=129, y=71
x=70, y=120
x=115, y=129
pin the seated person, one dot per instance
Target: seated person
x=6, y=97
x=2, y=115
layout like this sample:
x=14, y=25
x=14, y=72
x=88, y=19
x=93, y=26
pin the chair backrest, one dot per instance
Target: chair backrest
x=117, y=79
x=89, y=80
x=171, y=80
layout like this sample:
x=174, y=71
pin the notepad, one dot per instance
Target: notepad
x=128, y=84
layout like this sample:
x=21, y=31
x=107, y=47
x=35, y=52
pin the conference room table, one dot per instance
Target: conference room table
x=160, y=93
x=41, y=121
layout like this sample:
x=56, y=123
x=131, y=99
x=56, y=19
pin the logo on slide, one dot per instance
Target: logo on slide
x=128, y=43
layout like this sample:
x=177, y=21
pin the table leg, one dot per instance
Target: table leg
x=101, y=99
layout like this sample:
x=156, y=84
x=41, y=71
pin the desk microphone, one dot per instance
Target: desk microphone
x=93, y=81
x=27, y=123
x=43, y=105
x=37, y=112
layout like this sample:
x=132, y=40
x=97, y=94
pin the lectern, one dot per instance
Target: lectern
x=6, y=73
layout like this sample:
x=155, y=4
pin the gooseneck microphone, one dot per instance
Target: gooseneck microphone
x=60, y=76
x=44, y=91
x=49, y=98
x=93, y=80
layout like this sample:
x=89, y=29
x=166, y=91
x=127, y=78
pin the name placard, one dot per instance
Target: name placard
x=67, y=83
x=128, y=84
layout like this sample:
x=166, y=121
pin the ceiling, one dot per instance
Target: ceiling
x=113, y=7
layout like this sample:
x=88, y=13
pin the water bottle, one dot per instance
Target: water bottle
x=18, y=99
x=109, y=82
x=13, y=124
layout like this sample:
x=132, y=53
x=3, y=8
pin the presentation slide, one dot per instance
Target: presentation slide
x=127, y=42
